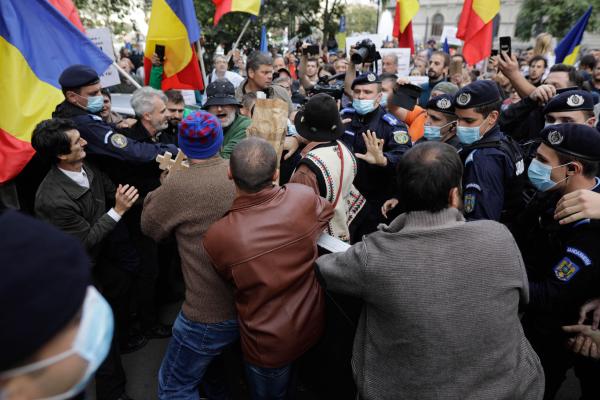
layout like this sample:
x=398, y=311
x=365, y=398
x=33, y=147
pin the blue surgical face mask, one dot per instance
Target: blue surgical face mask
x=383, y=101
x=539, y=175
x=363, y=106
x=468, y=134
x=95, y=104
x=432, y=133
x=91, y=343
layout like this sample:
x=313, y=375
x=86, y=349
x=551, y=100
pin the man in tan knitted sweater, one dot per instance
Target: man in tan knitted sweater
x=187, y=203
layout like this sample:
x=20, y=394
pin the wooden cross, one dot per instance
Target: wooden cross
x=166, y=162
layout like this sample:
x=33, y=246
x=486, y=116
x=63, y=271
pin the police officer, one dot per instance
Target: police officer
x=440, y=124
x=563, y=262
x=83, y=102
x=575, y=106
x=378, y=140
x=491, y=161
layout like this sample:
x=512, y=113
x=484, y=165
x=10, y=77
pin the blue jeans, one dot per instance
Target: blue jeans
x=268, y=383
x=190, y=351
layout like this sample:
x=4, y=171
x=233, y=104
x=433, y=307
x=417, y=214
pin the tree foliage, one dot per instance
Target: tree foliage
x=555, y=17
x=297, y=16
x=361, y=18
x=111, y=13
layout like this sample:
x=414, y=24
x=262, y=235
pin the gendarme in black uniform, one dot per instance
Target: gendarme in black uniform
x=563, y=267
x=374, y=182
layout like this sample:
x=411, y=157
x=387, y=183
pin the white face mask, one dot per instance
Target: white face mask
x=92, y=344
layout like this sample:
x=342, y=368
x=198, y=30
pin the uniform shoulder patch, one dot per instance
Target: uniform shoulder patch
x=390, y=119
x=565, y=270
x=95, y=117
x=118, y=140
x=401, y=137
x=469, y=203
x=473, y=186
x=581, y=255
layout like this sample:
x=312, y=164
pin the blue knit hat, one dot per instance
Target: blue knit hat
x=200, y=135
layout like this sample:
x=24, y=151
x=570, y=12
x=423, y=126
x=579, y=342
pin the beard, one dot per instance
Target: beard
x=433, y=75
x=226, y=119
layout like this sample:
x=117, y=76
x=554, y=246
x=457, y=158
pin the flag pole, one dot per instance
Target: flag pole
x=126, y=75
x=237, y=42
x=201, y=59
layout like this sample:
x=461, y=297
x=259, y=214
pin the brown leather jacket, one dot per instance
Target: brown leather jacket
x=266, y=247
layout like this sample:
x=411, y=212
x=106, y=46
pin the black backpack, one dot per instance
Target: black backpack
x=519, y=191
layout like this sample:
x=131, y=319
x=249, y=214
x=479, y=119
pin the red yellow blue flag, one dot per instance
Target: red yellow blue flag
x=36, y=44
x=223, y=7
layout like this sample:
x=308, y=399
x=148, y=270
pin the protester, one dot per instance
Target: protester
x=390, y=63
x=562, y=263
x=222, y=103
x=207, y=321
x=51, y=342
x=174, y=113
x=220, y=71
x=417, y=277
x=537, y=70
x=439, y=63
x=126, y=85
x=279, y=302
x=329, y=173
x=260, y=75
x=444, y=88
x=73, y=197
x=308, y=72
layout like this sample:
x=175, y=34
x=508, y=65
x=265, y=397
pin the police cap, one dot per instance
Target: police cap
x=441, y=103
x=405, y=96
x=577, y=140
x=477, y=94
x=365, y=79
x=572, y=100
x=77, y=76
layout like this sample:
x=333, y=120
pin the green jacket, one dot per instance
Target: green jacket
x=233, y=134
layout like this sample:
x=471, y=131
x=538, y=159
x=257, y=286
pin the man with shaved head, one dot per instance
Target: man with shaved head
x=267, y=240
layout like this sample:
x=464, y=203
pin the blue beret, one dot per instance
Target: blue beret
x=365, y=79
x=572, y=100
x=441, y=103
x=77, y=76
x=577, y=140
x=45, y=275
x=477, y=94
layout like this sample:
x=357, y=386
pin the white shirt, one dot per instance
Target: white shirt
x=231, y=76
x=82, y=180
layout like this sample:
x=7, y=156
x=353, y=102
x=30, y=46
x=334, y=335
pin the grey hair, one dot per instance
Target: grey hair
x=393, y=56
x=219, y=56
x=141, y=101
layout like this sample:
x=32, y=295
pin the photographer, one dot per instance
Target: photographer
x=309, y=65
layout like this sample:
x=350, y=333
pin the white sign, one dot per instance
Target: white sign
x=418, y=80
x=102, y=38
x=450, y=33
x=352, y=40
x=189, y=97
x=403, y=55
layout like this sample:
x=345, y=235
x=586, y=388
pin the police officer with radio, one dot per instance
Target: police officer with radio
x=492, y=161
x=378, y=140
x=83, y=102
x=563, y=261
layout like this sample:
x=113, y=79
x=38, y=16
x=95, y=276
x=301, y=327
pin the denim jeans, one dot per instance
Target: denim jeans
x=268, y=383
x=190, y=351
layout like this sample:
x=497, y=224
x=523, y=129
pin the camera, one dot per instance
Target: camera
x=335, y=90
x=312, y=49
x=365, y=52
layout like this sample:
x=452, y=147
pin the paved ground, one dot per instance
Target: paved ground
x=142, y=368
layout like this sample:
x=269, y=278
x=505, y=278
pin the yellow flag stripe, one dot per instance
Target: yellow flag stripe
x=486, y=9
x=571, y=58
x=408, y=9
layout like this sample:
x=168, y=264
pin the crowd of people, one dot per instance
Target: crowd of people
x=464, y=211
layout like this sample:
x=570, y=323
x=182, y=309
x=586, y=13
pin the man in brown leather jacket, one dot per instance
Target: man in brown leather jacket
x=266, y=247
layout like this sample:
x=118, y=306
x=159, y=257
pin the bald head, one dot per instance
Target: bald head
x=253, y=164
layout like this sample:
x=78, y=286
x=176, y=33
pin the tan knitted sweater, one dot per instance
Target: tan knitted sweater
x=186, y=204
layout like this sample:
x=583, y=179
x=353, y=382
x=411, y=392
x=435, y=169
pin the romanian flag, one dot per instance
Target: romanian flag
x=405, y=12
x=226, y=6
x=475, y=28
x=568, y=48
x=68, y=9
x=173, y=24
x=36, y=44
